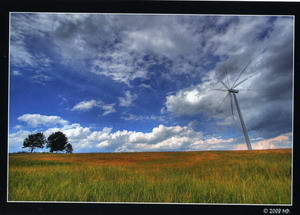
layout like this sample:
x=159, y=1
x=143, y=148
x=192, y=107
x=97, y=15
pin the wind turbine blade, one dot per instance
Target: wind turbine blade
x=223, y=101
x=231, y=103
x=227, y=77
x=223, y=90
x=241, y=74
x=224, y=85
x=248, y=90
x=243, y=81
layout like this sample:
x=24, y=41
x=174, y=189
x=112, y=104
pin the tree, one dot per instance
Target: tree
x=33, y=141
x=69, y=148
x=57, y=141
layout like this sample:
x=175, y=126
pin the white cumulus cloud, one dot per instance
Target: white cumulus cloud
x=16, y=140
x=160, y=138
x=193, y=100
x=87, y=105
x=35, y=120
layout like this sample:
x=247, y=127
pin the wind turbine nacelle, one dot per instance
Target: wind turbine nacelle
x=233, y=91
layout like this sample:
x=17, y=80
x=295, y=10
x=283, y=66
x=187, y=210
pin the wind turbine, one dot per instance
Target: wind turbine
x=231, y=91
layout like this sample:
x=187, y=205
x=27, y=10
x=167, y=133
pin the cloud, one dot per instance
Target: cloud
x=119, y=65
x=41, y=78
x=160, y=138
x=124, y=48
x=211, y=143
x=128, y=100
x=18, y=127
x=87, y=105
x=127, y=47
x=25, y=38
x=20, y=56
x=156, y=40
x=108, y=108
x=16, y=73
x=265, y=98
x=16, y=140
x=192, y=100
x=133, y=117
x=185, y=54
x=161, y=133
x=282, y=141
x=76, y=134
x=84, y=139
x=35, y=120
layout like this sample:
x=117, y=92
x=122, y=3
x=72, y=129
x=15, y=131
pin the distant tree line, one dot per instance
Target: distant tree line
x=57, y=141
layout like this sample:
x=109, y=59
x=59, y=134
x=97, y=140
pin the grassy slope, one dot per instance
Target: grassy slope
x=248, y=177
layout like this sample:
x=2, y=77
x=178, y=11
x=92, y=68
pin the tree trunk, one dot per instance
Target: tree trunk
x=31, y=150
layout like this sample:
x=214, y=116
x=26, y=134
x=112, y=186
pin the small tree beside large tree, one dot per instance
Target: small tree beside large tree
x=69, y=148
x=57, y=142
x=33, y=141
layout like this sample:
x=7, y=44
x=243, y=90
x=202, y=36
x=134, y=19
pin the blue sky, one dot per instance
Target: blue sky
x=136, y=82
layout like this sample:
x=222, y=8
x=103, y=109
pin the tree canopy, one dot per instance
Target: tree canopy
x=57, y=141
x=33, y=141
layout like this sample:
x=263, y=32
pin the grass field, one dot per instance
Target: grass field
x=242, y=177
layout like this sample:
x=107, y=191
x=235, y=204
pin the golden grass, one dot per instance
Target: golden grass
x=247, y=177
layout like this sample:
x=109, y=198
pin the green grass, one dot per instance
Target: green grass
x=242, y=177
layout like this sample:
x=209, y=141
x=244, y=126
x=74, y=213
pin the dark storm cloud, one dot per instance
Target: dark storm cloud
x=267, y=106
x=274, y=86
x=277, y=81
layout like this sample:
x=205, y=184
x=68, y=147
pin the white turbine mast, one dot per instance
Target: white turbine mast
x=232, y=91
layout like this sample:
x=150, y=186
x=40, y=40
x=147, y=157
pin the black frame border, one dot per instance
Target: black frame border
x=161, y=7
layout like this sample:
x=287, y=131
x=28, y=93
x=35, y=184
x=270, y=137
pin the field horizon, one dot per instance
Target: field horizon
x=232, y=177
x=128, y=152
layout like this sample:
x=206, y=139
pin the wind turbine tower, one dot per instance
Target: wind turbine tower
x=231, y=91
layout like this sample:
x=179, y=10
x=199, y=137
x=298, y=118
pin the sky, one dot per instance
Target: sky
x=137, y=82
